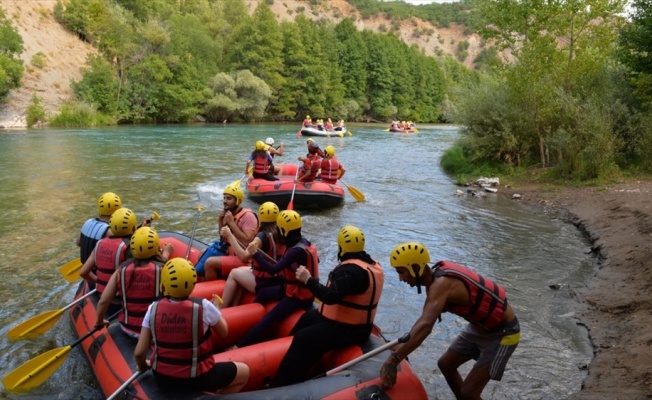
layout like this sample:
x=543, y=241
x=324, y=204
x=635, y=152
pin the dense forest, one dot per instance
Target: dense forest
x=567, y=86
x=169, y=61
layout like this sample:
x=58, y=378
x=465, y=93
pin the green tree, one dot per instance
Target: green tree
x=636, y=47
x=146, y=89
x=98, y=86
x=293, y=97
x=380, y=82
x=259, y=48
x=238, y=95
x=561, y=49
x=351, y=60
x=11, y=47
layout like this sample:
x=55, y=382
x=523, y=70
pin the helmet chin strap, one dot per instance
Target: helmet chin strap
x=418, y=277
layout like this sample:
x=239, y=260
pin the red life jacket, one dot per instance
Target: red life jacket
x=488, y=300
x=295, y=288
x=329, y=170
x=358, y=309
x=181, y=347
x=275, y=251
x=138, y=287
x=109, y=254
x=312, y=164
x=262, y=162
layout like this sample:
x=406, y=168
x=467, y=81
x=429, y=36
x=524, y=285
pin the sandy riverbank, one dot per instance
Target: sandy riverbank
x=616, y=304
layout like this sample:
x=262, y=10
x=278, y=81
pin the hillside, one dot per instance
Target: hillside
x=66, y=54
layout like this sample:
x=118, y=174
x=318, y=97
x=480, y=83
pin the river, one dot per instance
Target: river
x=51, y=180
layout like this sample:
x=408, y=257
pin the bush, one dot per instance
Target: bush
x=35, y=112
x=39, y=60
x=80, y=115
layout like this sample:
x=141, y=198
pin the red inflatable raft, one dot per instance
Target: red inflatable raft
x=311, y=195
x=110, y=355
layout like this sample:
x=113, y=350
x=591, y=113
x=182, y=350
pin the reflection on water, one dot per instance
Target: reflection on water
x=51, y=180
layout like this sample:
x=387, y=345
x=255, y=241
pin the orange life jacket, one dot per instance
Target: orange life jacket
x=138, y=287
x=181, y=347
x=236, y=218
x=358, y=309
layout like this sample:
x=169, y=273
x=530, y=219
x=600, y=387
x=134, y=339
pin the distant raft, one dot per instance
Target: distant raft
x=308, y=195
x=310, y=131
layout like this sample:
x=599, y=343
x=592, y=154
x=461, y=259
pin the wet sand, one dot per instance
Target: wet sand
x=615, y=305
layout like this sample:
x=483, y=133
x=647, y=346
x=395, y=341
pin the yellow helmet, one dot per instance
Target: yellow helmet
x=260, y=145
x=123, y=222
x=350, y=240
x=235, y=191
x=329, y=151
x=268, y=212
x=108, y=203
x=178, y=278
x=407, y=255
x=144, y=243
x=288, y=220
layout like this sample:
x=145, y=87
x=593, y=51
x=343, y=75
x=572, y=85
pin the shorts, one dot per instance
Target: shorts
x=217, y=249
x=494, y=347
x=219, y=377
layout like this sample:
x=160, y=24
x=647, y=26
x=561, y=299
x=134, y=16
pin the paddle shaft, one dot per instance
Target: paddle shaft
x=366, y=356
x=270, y=258
x=194, y=227
x=124, y=385
x=294, y=188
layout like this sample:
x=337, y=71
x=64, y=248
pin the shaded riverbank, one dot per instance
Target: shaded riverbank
x=615, y=305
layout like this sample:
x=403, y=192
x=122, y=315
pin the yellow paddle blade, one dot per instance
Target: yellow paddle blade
x=349, y=133
x=35, y=326
x=35, y=371
x=340, y=134
x=70, y=270
x=358, y=195
x=155, y=216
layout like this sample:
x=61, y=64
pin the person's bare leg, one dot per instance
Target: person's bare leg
x=475, y=382
x=231, y=295
x=448, y=363
x=212, y=268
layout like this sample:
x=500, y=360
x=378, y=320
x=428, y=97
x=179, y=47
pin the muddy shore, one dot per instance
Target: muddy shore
x=615, y=305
